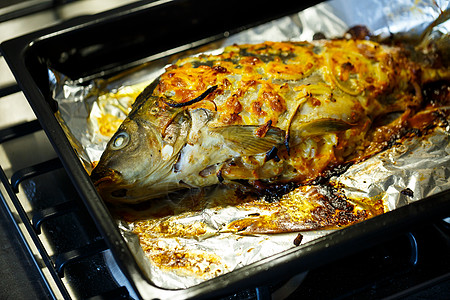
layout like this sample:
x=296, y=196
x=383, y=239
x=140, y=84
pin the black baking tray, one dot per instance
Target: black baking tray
x=101, y=45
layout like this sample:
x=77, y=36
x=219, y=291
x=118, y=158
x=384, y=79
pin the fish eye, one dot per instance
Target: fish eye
x=120, y=141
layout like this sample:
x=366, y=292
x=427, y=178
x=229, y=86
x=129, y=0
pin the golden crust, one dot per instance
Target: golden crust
x=288, y=84
x=354, y=67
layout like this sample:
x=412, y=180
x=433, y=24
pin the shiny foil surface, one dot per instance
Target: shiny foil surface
x=188, y=238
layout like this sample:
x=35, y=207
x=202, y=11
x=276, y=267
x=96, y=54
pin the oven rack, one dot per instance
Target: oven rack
x=52, y=267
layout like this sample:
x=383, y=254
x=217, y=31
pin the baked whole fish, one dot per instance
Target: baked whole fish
x=263, y=115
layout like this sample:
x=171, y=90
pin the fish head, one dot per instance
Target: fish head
x=140, y=156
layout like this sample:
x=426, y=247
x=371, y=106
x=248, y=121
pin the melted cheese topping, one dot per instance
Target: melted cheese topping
x=258, y=83
x=288, y=85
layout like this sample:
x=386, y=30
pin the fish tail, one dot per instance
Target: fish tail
x=432, y=37
x=436, y=41
x=430, y=30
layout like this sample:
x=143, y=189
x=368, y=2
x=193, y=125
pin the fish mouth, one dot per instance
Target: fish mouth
x=108, y=183
x=104, y=176
x=103, y=181
x=114, y=188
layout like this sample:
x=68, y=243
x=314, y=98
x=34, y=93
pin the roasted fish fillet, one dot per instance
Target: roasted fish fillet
x=263, y=115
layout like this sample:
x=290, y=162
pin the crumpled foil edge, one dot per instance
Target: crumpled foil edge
x=399, y=176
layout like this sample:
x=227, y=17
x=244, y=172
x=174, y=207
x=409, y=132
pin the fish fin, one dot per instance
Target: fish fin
x=321, y=126
x=173, y=139
x=244, y=140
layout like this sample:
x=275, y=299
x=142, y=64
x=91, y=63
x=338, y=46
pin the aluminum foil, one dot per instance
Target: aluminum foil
x=202, y=243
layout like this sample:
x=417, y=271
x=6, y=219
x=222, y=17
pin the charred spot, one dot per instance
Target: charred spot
x=335, y=208
x=370, y=88
x=273, y=193
x=441, y=117
x=413, y=132
x=358, y=32
x=332, y=99
x=220, y=69
x=253, y=215
x=232, y=163
x=120, y=193
x=331, y=172
x=286, y=144
x=437, y=93
x=298, y=239
x=336, y=198
x=272, y=154
x=320, y=180
x=319, y=36
x=347, y=66
x=241, y=228
x=346, y=69
x=407, y=192
x=394, y=138
x=264, y=55
x=219, y=176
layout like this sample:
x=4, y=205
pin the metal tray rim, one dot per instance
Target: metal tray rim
x=331, y=247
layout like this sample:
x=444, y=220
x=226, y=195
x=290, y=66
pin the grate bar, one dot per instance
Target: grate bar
x=45, y=214
x=9, y=90
x=63, y=259
x=22, y=9
x=19, y=130
x=33, y=171
x=28, y=233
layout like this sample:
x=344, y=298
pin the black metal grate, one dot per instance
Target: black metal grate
x=60, y=218
x=35, y=239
